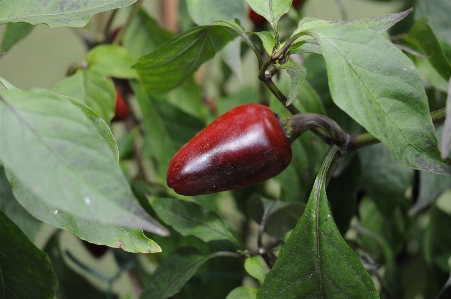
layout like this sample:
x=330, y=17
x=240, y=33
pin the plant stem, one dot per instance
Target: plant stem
x=300, y=123
x=107, y=28
x=130, y=18
x=438, y=115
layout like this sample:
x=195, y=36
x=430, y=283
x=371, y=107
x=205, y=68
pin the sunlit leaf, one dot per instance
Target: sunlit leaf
x=56, y=13
x=268, y=41
x=25, y=270
x=61, y=157
x=111, y=60
x=242, y=293
x=255, y=268
x=315, y=261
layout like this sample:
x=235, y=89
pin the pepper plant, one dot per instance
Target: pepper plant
x=332, y=162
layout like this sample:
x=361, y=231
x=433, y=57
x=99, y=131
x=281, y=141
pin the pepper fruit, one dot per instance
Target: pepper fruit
x=245, y=146
x=121, y=111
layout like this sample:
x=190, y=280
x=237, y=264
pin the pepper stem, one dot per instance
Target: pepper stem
x=329, y=130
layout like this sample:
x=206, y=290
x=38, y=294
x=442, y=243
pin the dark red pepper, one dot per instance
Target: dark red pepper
x=245, y=146
x=121, y=111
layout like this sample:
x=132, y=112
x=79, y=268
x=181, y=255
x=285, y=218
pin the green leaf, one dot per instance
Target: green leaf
x=297, y=73
x=255, y=268
x=144, y=35
x=175, y=271
x=231, y=54
x=238, y=29
x=25, y=270
x=14, y=33
x=14, y=211
x=112, y=60
x=169, y=122
x=271, y=10
x=192, y=96
x=377, y=24
x=5, y=85
x=394, y=229
x=431, y=187
x=330, y=269
x=376, y=84
x=189, y=218
x=281, y=216
x=102, y=128
x=437, y=241
x=71, y=285
x=268, y=40
x=430, y=46
x=242, y=293
x=205, y=12
x=438, y=12
x=245, y=95
x=128, y=239
x=170, y=65
x=93, y=89
x=160, y=147
x=61, y=157
x=445, y=142
x=384, y=180
x=342, y=193
x=392, y=273
x=55, y=13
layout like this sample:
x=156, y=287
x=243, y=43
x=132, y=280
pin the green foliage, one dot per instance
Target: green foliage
x=26, y=271
x=68, y=164
x=329, y=267
x=191, y=219
x=93, y=89
x=171, y=64
x=55, y=13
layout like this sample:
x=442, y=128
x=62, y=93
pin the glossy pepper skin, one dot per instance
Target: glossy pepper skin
x=245, y=146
